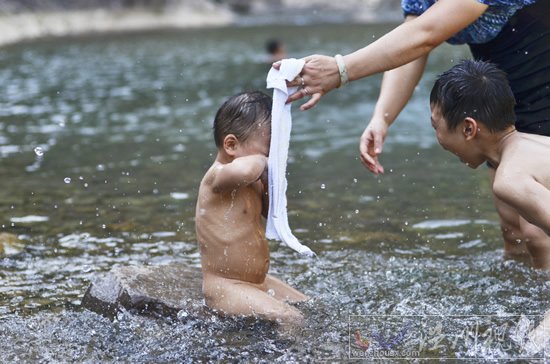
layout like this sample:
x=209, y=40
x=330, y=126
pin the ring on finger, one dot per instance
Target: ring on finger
x=306, y=91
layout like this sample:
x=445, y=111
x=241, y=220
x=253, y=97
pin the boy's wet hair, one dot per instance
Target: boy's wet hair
x=241, y=114
x=474, y=89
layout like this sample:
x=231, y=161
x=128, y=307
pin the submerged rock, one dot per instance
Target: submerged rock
x=160, y=291
x=10, y=244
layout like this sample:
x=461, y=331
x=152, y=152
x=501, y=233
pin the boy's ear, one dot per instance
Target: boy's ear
x=469, y=128
x=230, y=144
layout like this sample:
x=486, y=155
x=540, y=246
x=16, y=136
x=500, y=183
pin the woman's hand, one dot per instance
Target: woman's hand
x=319, y=76
x=371, y=143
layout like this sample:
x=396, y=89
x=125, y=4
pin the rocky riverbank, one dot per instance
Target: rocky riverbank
x=53, y=18
x=16, y=27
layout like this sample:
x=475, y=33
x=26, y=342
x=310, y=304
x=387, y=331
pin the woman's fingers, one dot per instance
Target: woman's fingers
x=370, y=146
x=298, y=81
x=304, y=92
x=312, y=102
x=295, y=96
x=371, y=163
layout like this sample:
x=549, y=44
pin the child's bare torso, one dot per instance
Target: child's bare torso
x=230, y=231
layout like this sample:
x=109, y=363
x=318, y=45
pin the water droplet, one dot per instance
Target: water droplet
x=323, y=186
x=39, y=151
x=271, y=292
x=67, y=180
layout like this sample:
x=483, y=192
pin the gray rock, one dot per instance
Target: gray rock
x=10, y=244
x=159, y=291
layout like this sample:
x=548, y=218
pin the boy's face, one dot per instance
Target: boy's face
x=456, y=141
x=257, y=143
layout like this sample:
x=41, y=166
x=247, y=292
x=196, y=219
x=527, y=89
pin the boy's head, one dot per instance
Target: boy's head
x=470, y=96
x=243, y=124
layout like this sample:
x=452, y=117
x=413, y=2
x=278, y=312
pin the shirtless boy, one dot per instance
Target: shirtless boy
x=473, y=116
x=230, y=217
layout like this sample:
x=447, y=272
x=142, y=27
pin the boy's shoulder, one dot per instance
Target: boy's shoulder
x=526, y=151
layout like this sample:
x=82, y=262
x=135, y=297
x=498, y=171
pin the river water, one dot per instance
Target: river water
x=103, y=144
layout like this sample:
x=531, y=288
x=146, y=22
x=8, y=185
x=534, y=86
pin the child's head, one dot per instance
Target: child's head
x=474, y=89
x=243, y=119
x=470, y=96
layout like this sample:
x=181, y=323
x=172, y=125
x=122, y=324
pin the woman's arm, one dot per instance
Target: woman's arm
x=397, y=88
x=414, y=38
x=409, y=41
x=240, y=172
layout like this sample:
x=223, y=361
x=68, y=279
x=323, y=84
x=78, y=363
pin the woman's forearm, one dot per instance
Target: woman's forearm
x=397, y=88
x=413, y=39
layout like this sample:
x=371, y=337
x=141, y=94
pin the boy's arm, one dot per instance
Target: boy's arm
x=240, y=172
x=529, y=197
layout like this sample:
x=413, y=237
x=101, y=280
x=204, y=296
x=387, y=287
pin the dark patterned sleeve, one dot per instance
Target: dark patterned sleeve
x=414, y=7
x=514, y=3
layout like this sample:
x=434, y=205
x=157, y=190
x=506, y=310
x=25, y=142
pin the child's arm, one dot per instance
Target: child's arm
x=529, y=197
x=240, y=172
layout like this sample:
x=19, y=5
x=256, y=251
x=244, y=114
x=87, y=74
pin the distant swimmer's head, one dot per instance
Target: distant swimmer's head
x=244, y=122
x=276, y=50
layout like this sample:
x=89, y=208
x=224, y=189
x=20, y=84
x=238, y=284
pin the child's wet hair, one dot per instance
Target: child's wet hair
x=474, y=89
x=241, y=115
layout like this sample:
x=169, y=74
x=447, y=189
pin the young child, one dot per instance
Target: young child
x=473, y=116
x=230, y=217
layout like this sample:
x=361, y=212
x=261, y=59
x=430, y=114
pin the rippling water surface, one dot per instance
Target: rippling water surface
x=104, y=141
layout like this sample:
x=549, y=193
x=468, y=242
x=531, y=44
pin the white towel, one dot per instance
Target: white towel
x=277, y=227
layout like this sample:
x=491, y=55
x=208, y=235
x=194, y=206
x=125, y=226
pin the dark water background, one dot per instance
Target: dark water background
x=104, y=141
